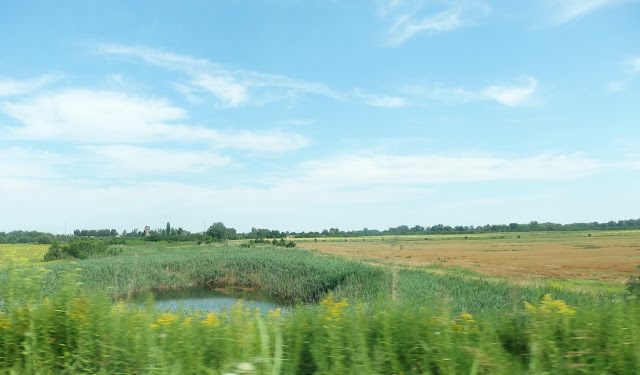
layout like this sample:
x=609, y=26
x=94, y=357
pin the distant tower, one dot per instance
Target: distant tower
x=146, y=231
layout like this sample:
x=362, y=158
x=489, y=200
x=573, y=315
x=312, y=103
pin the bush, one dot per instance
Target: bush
x=56, y=251
x=80, y=249
x=633, y=285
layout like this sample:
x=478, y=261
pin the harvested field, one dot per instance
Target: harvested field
x=609, y=256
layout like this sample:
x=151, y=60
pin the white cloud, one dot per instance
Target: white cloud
x=18, y=162
x=12, y=87
x=297, y=122
x=409, y=18
x=225, y=88
x=387, y=102
x=631, y=73
x=100, y=117
x=568, y=10
x=406, y=26
x=634, y=63
x=511, y=95
x=363, y=170
x=231, y=87
x=125, y=158
x=384, y=101
x=93, y=116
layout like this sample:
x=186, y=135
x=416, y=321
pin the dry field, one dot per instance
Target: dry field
x=607, y=255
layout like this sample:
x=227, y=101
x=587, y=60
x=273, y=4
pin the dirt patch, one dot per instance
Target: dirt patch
x=612, y=258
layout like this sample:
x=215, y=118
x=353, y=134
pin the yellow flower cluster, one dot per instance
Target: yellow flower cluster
x=166, y=320
x=4, y=322
x=462, y=321
x=80, y=310
x=275, y=313
x=211, y=320
x=548, y=305
x=119, y=308
x=333, y=310
x=25, y=253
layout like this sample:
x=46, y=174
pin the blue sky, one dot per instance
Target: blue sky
x=305, y=115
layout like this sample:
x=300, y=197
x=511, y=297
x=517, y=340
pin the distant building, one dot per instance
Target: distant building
x=147, y=229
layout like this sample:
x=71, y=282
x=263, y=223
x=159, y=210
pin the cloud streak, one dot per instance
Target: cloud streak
x=410, y=18
x=230, y=87
x=512, y=94
x=569, y=10
x=103, y=117
x=12, y=87
x=144, y=160
x=364, y=170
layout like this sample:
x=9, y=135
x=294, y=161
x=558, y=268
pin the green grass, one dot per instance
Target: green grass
x=291, y=274
x=441, y=320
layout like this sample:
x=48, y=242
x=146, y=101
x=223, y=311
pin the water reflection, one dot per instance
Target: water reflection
x=208, y=299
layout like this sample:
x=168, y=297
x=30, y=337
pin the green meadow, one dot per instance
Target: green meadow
x=66, y=317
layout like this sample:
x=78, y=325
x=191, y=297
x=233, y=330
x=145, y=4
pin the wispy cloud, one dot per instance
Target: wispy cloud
x=20, y=162
x=409, y=18
x=12, y=87
x=224, y=88
x=363, y=170
x=634, y=63
x=632, y=70
x=384, y=101
x=406, y=26
x=231, y=87
x=568, y=10
x=512, y=94
x=103, y=117
x=145, y=160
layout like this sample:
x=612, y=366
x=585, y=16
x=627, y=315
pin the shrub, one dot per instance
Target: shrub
x=633, y=285
x=56, y=251
x=81, y=249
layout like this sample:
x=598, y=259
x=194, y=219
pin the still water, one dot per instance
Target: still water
x=207, y=299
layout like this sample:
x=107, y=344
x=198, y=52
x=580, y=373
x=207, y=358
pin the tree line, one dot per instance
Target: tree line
x=532, y=226
x=218, y=232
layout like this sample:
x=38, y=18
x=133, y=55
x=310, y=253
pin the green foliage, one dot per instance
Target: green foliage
x=75, y=330
x=633, y=285
x=82, y=249
x=290, y=274
x=218, y=232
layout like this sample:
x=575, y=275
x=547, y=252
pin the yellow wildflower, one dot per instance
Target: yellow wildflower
x=211, y=320
x=166, y=319
x=333, y=311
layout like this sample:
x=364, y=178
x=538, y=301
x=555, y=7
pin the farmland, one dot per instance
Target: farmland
x=604, y=255
x=403, y=305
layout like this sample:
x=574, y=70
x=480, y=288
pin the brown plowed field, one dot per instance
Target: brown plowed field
x=604, y=255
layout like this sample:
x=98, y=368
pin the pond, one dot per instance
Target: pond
x=208, y=299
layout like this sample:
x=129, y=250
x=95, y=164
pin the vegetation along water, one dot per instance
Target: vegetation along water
x=351, y=317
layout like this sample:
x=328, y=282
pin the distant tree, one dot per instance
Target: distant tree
x=168, y=228
x=219, y=232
